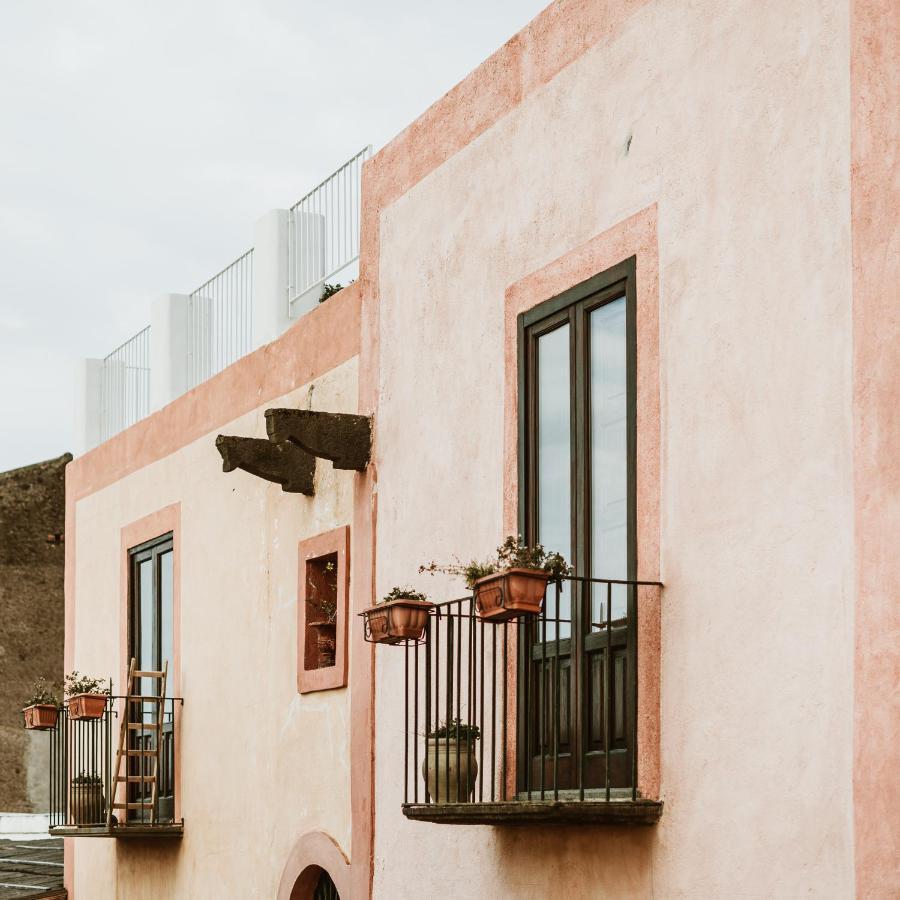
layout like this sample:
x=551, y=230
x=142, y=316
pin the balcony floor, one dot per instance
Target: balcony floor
x=119, y=831
x=538, y=812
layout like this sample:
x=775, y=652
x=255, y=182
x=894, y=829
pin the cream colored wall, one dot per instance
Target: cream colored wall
x=734, y=118
x=260, y=765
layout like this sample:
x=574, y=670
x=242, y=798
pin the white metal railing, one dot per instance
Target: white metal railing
x=220, y=320
x=125, y=385
x=323, y=234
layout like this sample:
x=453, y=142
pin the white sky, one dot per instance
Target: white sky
x=139, y=141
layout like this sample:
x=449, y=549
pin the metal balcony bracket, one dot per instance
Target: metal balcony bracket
x=343, y=438
x=283, y=463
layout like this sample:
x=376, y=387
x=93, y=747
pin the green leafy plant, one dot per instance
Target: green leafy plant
x=513, y=553
x=403, y=593
x=329, y=290
x=43, y=693
x=456, y=730
x=76, y=683
x=87, y=778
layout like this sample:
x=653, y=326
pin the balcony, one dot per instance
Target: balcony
x=90, y=796
x=529, y=720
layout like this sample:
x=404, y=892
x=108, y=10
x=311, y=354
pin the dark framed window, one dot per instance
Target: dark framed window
x=151, y=642
x=577, y=439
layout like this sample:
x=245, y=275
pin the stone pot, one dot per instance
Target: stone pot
x=87, y=805
x=326, y=642
x=87, y=706
x=397, y=621
x=40, y=716
x=441, y=765
x=511, y=593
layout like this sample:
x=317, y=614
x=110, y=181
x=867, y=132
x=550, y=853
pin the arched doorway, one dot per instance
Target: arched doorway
x=316, y=869
x=325, y=889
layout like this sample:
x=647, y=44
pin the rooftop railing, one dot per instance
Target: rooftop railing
x=323, y=234
x=125, y=385
x=220, y=320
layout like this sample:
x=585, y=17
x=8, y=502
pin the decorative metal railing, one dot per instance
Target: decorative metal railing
x=553, y=698
x=125, y=385
x=83, y=777
x=323, y=234
x=220, y=320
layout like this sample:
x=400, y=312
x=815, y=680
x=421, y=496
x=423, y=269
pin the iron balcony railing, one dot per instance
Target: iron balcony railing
x=125, y=385
x=84, y=783
x=554, y=699
x=220, y=320
x=323, y=234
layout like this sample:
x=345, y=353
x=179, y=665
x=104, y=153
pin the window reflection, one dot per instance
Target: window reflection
x=554, y=462
x=609, y=455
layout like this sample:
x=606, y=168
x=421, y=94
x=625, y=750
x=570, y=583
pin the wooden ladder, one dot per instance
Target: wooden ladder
x=134, y=700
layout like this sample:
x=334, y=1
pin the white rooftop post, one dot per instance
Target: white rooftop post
x=168, y=348
x=270, y=277
x=87, y=404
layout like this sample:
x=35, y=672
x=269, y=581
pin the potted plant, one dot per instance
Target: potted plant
x=450, y=767
x=324, y=605
x=86, y=801
x=42, y=707
x=87, y=698
x=513, y=582
x=400, y=616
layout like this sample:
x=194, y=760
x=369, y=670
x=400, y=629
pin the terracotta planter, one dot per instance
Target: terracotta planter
x=326, y=642
x=398, y=620
x=40, y=716
x=510, y=593
x=87, y=805
x=450, y=780
x=87, y=706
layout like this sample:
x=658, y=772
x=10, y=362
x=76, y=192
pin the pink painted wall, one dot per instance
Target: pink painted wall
x=734, y=121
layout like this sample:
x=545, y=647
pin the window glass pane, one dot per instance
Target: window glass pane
x=554, y=461
x=166, y=601
x=609, y=456
x=147, y=622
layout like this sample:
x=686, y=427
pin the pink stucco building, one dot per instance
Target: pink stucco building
x=629, y=289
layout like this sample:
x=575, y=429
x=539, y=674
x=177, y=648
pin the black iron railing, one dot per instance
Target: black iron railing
x=85, y=782
x=554, y=699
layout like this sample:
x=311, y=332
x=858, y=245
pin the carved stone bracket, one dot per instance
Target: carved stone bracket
x=343, y=438
x=283, y=463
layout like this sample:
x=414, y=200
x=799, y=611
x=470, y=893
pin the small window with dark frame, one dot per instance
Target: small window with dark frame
x=577, y=496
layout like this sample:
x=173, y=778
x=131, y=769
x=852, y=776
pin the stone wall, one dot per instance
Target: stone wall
x=32, y=558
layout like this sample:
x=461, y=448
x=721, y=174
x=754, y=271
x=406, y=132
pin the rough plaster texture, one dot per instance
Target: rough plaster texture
x=247, y=735
x=32, y=506
x=737, y=125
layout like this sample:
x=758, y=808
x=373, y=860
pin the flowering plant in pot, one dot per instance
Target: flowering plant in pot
x=323, y=604
x=401, y=615
x=513, y=582
x=42, y=708
x=450, y=767
x=86, y=800
x=87, y=697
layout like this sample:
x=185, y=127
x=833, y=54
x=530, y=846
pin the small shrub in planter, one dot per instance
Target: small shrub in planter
x=86, y=801
x=450, y=767
x=511, y=584
x=42, y=708
x=87, y=697
x=400, y=616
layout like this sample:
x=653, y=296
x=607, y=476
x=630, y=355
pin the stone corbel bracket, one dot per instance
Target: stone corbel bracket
x=343, y=438
x=282, y=463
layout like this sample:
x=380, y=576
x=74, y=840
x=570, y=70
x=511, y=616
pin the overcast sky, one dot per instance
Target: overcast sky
x=139, y=141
